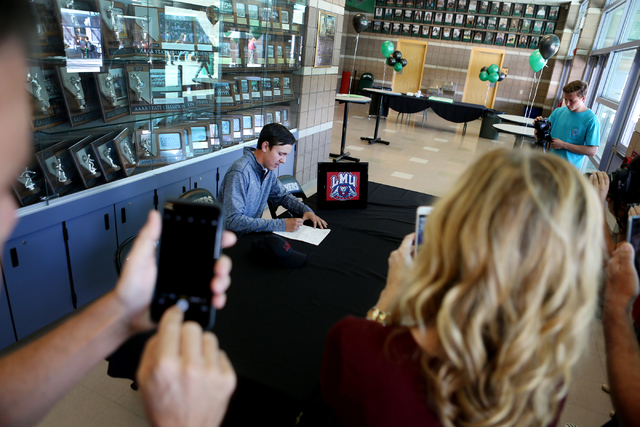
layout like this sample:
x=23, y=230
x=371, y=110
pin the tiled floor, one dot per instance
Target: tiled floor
x=422, y=158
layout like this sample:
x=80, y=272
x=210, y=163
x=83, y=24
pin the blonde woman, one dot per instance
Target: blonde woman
x=484, y=327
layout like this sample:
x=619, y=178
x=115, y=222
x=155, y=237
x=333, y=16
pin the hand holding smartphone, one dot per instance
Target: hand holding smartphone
x=633, y=236
x=421, y=219
x=189, y=246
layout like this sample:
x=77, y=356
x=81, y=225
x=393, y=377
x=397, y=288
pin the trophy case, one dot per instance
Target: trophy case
x=122, y=88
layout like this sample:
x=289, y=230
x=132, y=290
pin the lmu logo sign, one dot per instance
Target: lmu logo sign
x=343, y=186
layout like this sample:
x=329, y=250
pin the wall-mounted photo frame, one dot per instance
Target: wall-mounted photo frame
x=325, y=40
x=388, y=14
x=492, y=23
x=440, y=5
x=514, y=25
x=380, y=2
x=409, y=3
x=511, y=40
x=526, y=26
x=438, y=18
x=214, y=131
x=451, y=6
x=386, y=28
x=550, y=27
x=495, y=8
x=503, y=24
x=537, y=27
x=406, y=30
x=390, y=3
x=425, y=32
x=554, y=12
x=462, y=6
x=378, y=13
x=448, y=19
x=529, y=11
x=430, y=4
x=459, y=20
x=481, y=22
x=408, y=15
x=420, y=4
x=435, y=32
x=397, y=14
x=506, y=9
x=417, y=16
x=400, y=3
x=395, y=29
x=478, y=37
x=533, y=42
x=446, y=34
x=489, y=37
x=523, y=41
x=466, y=36
x=428, y=18
x=541, y=12
x=499, y=41
x=473, y=6
x=247, y=126
x=518, y=9
x=483, y=7
x=456, y=34
x=415, y=31
x=343, y=185
x=469, y=21
x=198, y=135
x=377, y=27
x=48, y=105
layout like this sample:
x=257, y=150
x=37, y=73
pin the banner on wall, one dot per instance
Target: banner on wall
x=359, y=5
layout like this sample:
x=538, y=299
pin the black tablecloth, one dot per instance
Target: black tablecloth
x=456, y=112
x=276, y=319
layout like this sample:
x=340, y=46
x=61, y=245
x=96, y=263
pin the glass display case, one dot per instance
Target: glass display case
x=120, y=88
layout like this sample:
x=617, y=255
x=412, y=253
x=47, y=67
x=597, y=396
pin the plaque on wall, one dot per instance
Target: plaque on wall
x=146, y=29
x=470, y=21
x=489, y=38
x=277, y=87
x=327, y=23
x=276, y=24
x=554, y=11
x=214, y=131
x=241, y=14
x=107, y=158
x=438, y=18
x=533, y=42
x=126, y=151
x=58, y=167
x=456, y=34
x=448, y=19
x=481, y=22
x=258, y=120
x=245, y=93
x=224, y=95
x=518, y=9
x=137, y=80
x=83, y=158
x=506, y=9
x=459, y=20
x=112, y=86
x=435, y=32
x=462, y=6
x=499, y=39
x=377, y=27
x=49, y=42
x=417, y=17
x=451, y=6
x=236, y=128
x=408, y=15
x=386, y=28
x=265, y=16
x=247, y=126
x=473, y=6
x=286, y=117
x=378, y=13
x=199, y=139
x=428, y=18
x=529, y=11
x=523, y=41
x=466, y=36
x=514, y=25
x=46, y=96
x=395, y=29
x=503, y=24
x=227, y=12
x=255, y=87
x=426, y=31
x=537, y=27
x=117, y=39
x=440, y=5
x=526, y=26
x=446, y=34
x=430, y=4
x=478, y=37
x=226, y=134
x=511, y=40
x=406, y=30
x=420, y=4
x=287, y=88
x=415, y=31
x=495, y=8
x=29, y=187
x=80, y=97
x=267, y=89
x=541, y=12
x=161, y=147
x=549, y=28
x=254, y=14
x=176, y=32
x=285, y=17
x=492, y=23
x=483, y=7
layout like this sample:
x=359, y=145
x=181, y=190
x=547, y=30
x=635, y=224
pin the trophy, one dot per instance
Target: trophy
x=69, y=4
x=88, y=163
x=115, y=25
x=123, y=147
x=37, y=93
x=105, y=153
x=26, y=179
x=111, y=93
x=139, y=85
x=56, y=165
x=79, y=95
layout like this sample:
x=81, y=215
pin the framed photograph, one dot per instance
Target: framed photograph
x=236, y=128
x=417, y=16
x=326, y=39
x=523, y=41
x=473, y=6
x=526, y=26
x=420, y=4
x=529, y=11
x=379, y=13
x=511, y=40
x=386, y=28
x=554, y=11
x=469, y=21
x=438, y=18
x=408, y=15
x=267, y=89
x=492, y=22
x=395, y=29
x=409, y=3
x=451, y=6
x=448, y=19
x=198, y=137
x=478, y=37
x=400, y=3
x=435, y=32
x=380, y=2
x=541, y=12
x=481, y=22
x=446, y=34
x=388, y=14
x=343, y=185
x=82, y=156
x=489, y=37
x=428, y=18
x=439, y=4
x=415, y=31
x=537, y=27
x=499, y=39
x=456, y=34
x=514, y=25
x=518, y=9
x=533, y=42
x=430, y=4
x=377, y=27
x=287, y=87
x=265, y=17
x=459, y=20
x=462, y=6
x=506, y=9
x=247, y=126
x=390, y=3
x=495, y=8
x=397, y=14
x=406, y=30
x=503, y=24
x=550, y=28
x=425, y=32
x=466, y=36
x=483, y=7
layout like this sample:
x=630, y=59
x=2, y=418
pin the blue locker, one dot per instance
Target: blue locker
x=206, y=180
x=172, y=191
x=92, y=243
x=7, y=336
x=223, y=163
x=37, y=279
x=131, y=215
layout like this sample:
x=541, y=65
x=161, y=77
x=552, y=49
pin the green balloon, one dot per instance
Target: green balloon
x=398, y=66
x=387, y=48
x=536, y=61
x=484, y=76
x=493, y=77
x=493, y=68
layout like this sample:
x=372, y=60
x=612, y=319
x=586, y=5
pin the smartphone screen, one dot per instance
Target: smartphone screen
x=189, y=246
x=633, y=237
x=421, y=219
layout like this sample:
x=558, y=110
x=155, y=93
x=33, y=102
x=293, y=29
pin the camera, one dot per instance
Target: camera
x=543, y=138
x=624, y=185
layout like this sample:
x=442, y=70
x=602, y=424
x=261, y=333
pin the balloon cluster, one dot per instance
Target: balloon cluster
x=547, y=47
x=492, y=73
x=394, y=57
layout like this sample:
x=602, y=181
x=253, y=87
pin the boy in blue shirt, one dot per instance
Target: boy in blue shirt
x=575, y=129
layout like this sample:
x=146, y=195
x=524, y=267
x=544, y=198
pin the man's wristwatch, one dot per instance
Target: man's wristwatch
x=378, y=315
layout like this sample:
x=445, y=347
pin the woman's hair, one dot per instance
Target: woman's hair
x=508, y=274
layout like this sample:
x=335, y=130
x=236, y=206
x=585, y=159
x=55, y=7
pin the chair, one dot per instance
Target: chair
x=198, y=195
x=293, y=186
x=366, y=81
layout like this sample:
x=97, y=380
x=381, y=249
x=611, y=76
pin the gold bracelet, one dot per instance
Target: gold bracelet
x=378, y=315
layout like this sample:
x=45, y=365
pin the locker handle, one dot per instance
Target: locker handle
x=106, y=221
x=14, y=257
x=123, y=214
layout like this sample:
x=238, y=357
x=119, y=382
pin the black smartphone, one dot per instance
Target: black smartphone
x=633, y=237
x=189, y=246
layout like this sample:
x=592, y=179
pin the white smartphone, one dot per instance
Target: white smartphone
x=421, y=219
x=633, y=236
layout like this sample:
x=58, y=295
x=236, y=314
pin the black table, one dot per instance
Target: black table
x=346, y=99
x=384, y=94
x=456, y=112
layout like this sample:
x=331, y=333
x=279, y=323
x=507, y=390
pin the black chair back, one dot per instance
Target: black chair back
x=293, y=186
x=198, y=195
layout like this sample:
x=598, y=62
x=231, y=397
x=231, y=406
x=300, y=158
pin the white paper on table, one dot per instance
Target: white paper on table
x=306, y=234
